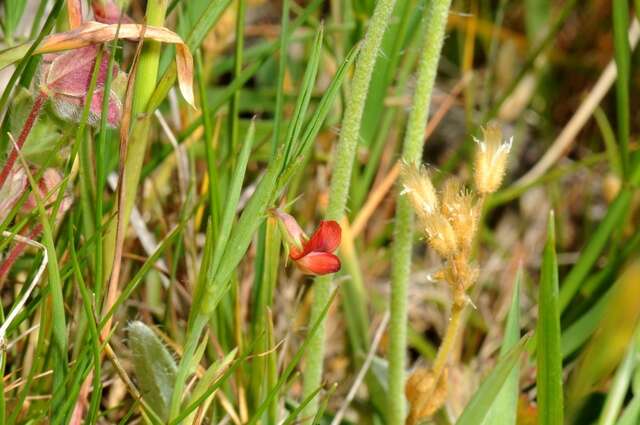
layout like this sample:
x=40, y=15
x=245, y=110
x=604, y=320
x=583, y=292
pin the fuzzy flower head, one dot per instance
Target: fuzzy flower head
x=312, y=255
x=491, y=159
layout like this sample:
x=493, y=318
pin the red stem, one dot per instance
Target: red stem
x=17, y=251
x=28, y=125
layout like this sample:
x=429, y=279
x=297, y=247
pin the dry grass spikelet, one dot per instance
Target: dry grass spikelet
x=417, y=186
x=459, y=207
x=440, y=235
x=425, y=396
x=491, y=160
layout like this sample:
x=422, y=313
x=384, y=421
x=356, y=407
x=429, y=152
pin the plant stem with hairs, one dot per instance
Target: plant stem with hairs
x=436, y=17
x=342, y=167
x=26, y=129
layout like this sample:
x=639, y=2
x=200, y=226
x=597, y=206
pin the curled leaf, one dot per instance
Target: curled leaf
x=91, y=33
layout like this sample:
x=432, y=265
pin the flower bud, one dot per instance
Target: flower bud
x=290, y=230
x=491, y=160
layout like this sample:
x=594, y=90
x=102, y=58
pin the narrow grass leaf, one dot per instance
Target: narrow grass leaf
x=505, y=407
x=623, y=64
x=620, y=384
x=607, y=347
x=549, y=354
x=479, y=406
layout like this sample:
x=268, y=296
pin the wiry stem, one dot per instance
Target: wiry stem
x=26, y=129
x=340, y=182
x=436, y=17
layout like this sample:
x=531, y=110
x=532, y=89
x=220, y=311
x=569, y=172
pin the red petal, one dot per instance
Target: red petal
x=325, y=239
x=319, y=263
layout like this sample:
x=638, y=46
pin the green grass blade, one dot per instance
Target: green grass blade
x=549, y=354
x=620, y=384
x=233, y=196
x=282, y=67
x=623, y=64
x=505, y=407
x=316, y=326
x=479, y=406
x=582, y=329
x=590, y=253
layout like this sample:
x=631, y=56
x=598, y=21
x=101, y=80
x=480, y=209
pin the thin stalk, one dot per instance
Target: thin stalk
x=234, y=104
x=448, y=342
x=339, y=191
x=145, y=83
x=26, y=129
x=437, y=12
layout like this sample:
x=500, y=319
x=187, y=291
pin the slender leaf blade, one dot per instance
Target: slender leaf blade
x=505, y=408
x=549, y=355
x=478, y=407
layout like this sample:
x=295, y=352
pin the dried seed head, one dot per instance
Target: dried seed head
x=425, y=396
x=459, y=208
x=491, y=160
x=440, y=235
x=417, y=185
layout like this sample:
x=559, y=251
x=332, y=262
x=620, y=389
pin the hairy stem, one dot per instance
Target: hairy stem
x=26, y=129
x=17, y=251
x=339, y=191
x=436, y=15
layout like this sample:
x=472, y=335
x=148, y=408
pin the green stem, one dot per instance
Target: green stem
x=145, y=83
x=437, y=12
x=340, y=182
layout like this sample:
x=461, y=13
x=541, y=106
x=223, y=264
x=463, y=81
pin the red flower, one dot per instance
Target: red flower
x=312, y=255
